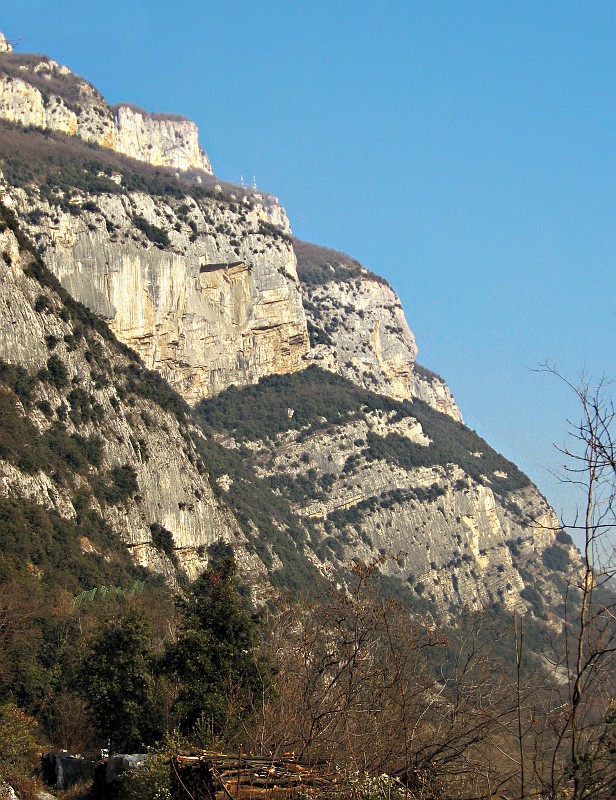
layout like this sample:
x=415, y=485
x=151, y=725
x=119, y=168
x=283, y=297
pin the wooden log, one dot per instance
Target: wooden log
x=209, y=775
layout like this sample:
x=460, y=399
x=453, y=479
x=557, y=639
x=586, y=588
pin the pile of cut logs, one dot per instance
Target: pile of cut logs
x=205, y=775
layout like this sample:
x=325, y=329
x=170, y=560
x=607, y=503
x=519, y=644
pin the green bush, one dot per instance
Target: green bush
x=117, y=681
x=119, y=485
x=152, y=780
x=19, y=750
x=163, y=541
x=512, y=544
x=42, y=304
x=556, y=558
x=155, y=234
x=563, y=538
x=318, y=265
x=18, y=738
x=534, y=598
x=56, y=373
x=19, y=380
x=215, y=653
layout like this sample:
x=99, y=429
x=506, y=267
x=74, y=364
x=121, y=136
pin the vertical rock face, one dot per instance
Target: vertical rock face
x=432, y=389
x=358, y=329
x=36, y=91
x=21, y=103
x=214, y=301
x=161, y=140
x=88, y=399
x=204, y=282
x=209, y=297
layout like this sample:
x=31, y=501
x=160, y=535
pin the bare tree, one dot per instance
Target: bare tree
x=585, y=723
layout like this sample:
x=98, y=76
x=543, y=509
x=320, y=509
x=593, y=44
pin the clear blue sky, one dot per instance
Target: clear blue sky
x=464, y=150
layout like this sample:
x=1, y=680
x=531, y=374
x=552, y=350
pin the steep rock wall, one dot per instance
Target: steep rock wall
x=160, y=140
x=213, y=302
x=84, y=387
x=204, y=286
x=37, y=91
x=26, y=98
x=451, y=523
x=358, y=329
x=204, y=330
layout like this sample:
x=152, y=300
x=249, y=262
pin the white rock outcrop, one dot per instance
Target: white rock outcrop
x=204, y=285
x=359, y=330
x=44, y=94
x=164, y=141
x=218, y=305
x=172, y=491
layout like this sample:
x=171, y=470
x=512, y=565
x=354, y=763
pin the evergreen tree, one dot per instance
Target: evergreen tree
x=213, y=662
x=118, y=685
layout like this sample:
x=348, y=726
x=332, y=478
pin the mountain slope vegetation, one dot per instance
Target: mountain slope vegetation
x=300, y=547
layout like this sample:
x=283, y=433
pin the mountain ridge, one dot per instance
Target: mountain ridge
x=205, y=282
x=37, y=91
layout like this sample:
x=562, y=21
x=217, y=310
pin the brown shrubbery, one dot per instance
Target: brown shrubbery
x=353, y=679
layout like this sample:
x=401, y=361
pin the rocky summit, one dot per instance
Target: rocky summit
x=176, y=364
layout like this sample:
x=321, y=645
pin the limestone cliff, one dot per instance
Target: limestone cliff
x=324, y=439
x=201, y=280
x=37, y=91
x=203, y=284
x=452, y=523
x=203, y=287
x=317, y=470
x=358, y=329
x=70, y=389
x=160, y=139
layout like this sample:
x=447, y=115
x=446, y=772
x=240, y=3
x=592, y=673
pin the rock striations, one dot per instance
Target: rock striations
x=87, y=396
x=205, y=291
x=358, y=329
x=34, y=90
x=314, y=437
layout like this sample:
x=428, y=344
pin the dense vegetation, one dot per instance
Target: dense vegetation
x=270, y=525
x=73, y=89
x=321, y=400
x=127, y=657
x=352, y=677
x=56, y=163
x=318, y=265
x=33, y=537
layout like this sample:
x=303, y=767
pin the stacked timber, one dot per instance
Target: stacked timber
x=205, y=775
x=191, y=778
